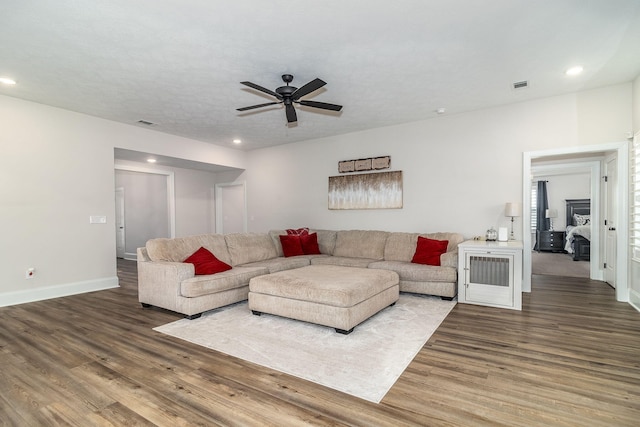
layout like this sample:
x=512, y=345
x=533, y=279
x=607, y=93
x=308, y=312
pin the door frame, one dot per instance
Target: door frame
x=120, y=216
x=219, y=189
x=593, y=168
x=171, y=198
x=622, y=197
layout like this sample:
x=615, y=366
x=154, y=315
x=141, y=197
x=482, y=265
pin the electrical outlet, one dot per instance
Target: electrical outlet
x=30, y=273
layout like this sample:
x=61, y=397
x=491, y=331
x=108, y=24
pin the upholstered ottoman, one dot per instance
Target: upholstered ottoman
x=329, y=295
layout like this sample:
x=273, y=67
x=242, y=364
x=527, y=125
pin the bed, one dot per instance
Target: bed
x=578, y=232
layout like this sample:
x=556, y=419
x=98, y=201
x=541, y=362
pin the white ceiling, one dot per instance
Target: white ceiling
x=179, y=63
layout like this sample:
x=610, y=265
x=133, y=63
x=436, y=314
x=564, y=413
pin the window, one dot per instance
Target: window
x=634, y=223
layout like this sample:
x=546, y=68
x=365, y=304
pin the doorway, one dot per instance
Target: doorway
x=146, y=208
x=568, y=180
x=620, y=150
x=231, y=208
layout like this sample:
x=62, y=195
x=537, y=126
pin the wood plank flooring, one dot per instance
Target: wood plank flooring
x=571, y=357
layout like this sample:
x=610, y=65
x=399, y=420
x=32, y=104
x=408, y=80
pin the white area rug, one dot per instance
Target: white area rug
x=365, y=363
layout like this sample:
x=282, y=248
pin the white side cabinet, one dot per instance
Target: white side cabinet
x=490, y=273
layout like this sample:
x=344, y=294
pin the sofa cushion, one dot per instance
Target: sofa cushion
x=400, y=246
x=343, y=261
x=230, y=279
x=205, y=262
x=282, y=263
x=428, y=251
x=250, y=247
x=326, y=240
x=418, y=272
x=179, y=248
x=291, y=245
x=361, y=244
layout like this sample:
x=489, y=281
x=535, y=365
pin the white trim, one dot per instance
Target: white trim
x=171, y=198
x=57, y=291
x=131, y=256
x=622, y=149
x=218, y=194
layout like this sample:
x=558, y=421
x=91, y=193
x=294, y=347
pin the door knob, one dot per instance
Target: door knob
x=612, y=229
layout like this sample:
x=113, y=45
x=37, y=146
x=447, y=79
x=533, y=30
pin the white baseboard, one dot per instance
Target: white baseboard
x=634, y=299
x=131, y=256
x=48, y=292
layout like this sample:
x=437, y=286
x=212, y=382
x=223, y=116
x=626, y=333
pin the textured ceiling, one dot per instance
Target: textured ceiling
x=179, y=64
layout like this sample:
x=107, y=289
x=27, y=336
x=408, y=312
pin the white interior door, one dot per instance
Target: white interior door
x=231, y=208
x=610, y=222
x=120, y=230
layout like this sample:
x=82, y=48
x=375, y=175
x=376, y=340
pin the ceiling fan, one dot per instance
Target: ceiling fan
x=288, y=95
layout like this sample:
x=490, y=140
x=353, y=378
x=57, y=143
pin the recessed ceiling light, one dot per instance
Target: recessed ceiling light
x=574, y=71
x=237, y=141
x=151, y=160
x=441, y=110
x=7, y=81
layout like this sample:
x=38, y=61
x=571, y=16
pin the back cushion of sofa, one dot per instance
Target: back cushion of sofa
x=326, y=240
x=250, y=247
x=361, y=244
x=179, y=249
x=454, y=239
x=400, y=247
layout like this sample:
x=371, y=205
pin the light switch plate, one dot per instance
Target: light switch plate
x=97, y=219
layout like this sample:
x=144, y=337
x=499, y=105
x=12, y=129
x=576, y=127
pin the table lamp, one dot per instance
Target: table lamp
x=513, y=210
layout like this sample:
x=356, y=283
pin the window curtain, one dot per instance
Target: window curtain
x=542, y=204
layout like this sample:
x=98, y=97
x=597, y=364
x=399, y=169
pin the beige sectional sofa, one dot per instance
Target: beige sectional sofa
x=165, y=281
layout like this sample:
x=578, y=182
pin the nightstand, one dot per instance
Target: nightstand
x=551, y=241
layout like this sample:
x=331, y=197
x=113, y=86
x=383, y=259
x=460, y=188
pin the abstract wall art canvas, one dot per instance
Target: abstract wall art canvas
x=382, y=190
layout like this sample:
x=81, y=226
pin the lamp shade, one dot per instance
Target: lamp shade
x=513, y=209
x=551, y=213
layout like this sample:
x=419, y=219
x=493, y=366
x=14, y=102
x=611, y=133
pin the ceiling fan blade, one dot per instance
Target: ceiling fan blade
x=308, y=88
x=323, y=105
x=291, y=113
x=257, y=106
x=261, y=89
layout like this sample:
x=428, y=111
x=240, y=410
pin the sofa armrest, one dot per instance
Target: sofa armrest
x=449, y=259
x=159, y=281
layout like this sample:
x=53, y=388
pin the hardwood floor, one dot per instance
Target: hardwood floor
x=571, y=357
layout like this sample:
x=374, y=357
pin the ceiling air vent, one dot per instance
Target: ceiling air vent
x=521, y=85
x=145, y=122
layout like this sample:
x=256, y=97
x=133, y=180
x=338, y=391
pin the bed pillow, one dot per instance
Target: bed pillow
x=206, y=263
x=291, y=245
x=428, y=251
x=582, y=219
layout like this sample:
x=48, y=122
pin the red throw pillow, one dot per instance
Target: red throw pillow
x=309, y=244
x=298, y=232
x=291, y=245
x=206, y=263
x=428, y=251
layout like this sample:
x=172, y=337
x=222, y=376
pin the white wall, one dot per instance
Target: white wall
x=636, y=105
x=57, y=169
x=146, y=208
x=634, y=273
x=459, y=170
